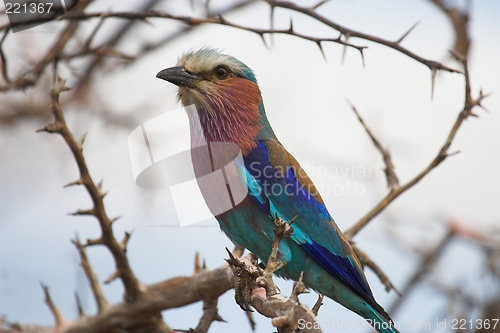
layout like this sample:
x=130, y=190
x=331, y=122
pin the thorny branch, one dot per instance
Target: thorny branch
x=106, y=49
x=367, y=261
x=349, y=33
x=469, y=104
x=132, y=286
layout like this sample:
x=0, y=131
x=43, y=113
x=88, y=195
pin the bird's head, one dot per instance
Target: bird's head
x=226, y=95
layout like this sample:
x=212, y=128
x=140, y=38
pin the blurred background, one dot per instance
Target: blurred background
x=439, y=243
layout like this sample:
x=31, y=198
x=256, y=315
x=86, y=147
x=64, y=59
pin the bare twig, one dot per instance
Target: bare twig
x=94, y=284
x=366, y=260
x=110, y=42
x=424, y=267
x=390, y=174
x=55, y=311
x=460, y=21
x=210, y=315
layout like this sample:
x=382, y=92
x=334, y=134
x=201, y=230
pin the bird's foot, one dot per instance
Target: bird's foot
x=245, y=284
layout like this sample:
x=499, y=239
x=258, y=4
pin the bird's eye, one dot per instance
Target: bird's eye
x=221, y=72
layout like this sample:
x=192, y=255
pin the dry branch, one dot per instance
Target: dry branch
x=469, y=104
x=132, y=286
x=349, y=33
x=424, y=267
x=390, y=173
x=59, y=318
x=460, y=21
x=105, y=50
x=367, y=261
x=91, y=277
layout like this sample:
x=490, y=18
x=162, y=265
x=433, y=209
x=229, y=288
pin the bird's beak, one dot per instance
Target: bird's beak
x=178, y=76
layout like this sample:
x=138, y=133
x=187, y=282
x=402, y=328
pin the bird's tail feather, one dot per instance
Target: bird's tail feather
x=380, y=323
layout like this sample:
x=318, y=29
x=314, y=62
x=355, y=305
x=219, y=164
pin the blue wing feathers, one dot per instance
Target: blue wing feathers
x=270, y=189
x=339, y=267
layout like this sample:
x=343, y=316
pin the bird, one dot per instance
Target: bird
x=227, y=108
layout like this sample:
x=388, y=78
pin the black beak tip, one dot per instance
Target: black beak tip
x=162, y=74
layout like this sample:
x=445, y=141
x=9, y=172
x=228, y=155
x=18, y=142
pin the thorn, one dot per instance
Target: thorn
x=125, y=240
x=407, y=33
x=97, y=241
x=362, y=57
x=319, y=4
x=197, y=263
x=50, y=128
x=112, y=277
x=290, y=30
x=264, y=40
x=217, y=317
x=83, y=212
x=321, y=49
x=204, y=265
x=81, y=314
x=271, y=26
x=222, y=20
x=344, y=52
x=99, y=185
x=433, y=80
x=232, y=261
x=76, y=182
x=43, y=129
x=293, y=220
x=115, y=218
x=145, y=20
x=231, y=257
x=82, y=138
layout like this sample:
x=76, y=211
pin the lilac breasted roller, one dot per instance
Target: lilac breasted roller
x=228, y=108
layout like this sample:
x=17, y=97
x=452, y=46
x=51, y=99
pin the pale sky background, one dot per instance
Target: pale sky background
x=305, y=99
